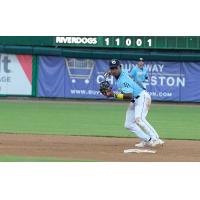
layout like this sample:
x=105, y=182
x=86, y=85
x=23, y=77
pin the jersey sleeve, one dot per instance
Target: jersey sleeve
x=133, y=73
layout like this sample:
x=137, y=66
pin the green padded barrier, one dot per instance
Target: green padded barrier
x=94, y=53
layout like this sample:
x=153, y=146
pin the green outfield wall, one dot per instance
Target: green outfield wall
x=177, y=49
x=128, y=42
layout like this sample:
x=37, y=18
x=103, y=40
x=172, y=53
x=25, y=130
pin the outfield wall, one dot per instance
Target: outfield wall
x=51, y=76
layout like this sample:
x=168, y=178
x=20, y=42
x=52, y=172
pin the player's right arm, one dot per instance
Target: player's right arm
x=126, y=90
x=127, y=96
x=132, y=74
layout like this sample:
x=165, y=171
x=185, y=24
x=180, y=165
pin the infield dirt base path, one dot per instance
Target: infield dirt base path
x=94, y=148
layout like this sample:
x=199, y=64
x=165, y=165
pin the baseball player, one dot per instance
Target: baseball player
x=137, y=111
x=140, y=74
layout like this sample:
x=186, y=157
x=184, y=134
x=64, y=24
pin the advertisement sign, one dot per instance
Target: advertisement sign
x=80, y=78
x=15, y=74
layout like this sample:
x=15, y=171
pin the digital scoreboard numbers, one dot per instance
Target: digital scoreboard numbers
x=128, y=42
x=106, y=42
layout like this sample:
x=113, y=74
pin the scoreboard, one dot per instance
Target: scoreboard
x=105, y=42
x=120, y=42
x=131, y=42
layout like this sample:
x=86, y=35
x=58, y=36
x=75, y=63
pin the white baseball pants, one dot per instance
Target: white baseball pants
x=136, y=118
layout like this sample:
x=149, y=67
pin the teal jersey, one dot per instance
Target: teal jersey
x=138, y=74
x=127, y=85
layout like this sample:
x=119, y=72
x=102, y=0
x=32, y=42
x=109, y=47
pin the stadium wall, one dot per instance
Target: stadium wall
x=99, y=53
x=174, y=74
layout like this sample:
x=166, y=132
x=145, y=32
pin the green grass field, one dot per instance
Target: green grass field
x=36, y=159
x=28, y=159
x=64, y=118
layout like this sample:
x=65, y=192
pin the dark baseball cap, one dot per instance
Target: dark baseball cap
x=114, y=63
x=141, y=59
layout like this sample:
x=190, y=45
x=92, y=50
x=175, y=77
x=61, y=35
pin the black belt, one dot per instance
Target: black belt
x=133, y=100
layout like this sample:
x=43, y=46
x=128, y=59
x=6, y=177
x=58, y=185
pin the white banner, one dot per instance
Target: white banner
x=15, y=74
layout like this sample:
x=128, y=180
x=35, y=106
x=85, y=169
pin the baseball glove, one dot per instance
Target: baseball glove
x=104, y=87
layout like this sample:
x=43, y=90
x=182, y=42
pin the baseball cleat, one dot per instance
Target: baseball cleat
x=161, y=142
x=154, y=143
x=141, y=144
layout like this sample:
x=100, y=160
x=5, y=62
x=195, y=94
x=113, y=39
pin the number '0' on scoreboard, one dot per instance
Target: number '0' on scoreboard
x=127, y=42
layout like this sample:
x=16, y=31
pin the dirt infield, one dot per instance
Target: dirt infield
x=94, y=148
